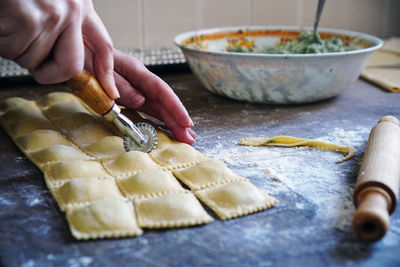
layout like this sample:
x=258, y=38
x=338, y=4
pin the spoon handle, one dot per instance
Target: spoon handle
x=318, y=14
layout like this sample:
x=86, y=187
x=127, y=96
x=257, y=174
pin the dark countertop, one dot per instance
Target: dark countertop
x=311, y=225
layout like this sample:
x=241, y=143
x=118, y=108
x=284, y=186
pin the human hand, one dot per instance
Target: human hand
x=48, y=38
x=144, y=91
x=54, y=39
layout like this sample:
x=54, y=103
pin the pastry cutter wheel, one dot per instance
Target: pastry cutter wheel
x=141, y=136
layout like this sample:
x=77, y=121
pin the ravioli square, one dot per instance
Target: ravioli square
x=171, y=210
x=57, y=97
x=71, y=169
x=235, y=199
x=149, y=183
x=107, y=147
x=22, y=113
x=108, y=217
x=90, y=133
x=205, y=174
x=81, y=191
x=57, y=153
x=176, y=156
x=39, y=139
x=63, y=109
x=74, y=120
x=22, y=127
x=15, y=103
x=130, y=163
x=165, y=140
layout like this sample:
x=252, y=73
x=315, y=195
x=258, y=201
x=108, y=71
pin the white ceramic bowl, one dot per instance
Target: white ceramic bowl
x=273, y=78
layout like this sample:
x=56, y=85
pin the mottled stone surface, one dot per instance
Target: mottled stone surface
x=310, y=226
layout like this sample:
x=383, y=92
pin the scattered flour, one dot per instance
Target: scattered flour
x=311, y=173
x=78, y=262
x=300, y=206
x=341, y=137
x=29, y=263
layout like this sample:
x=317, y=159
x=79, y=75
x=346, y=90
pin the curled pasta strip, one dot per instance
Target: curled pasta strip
x=290, y=141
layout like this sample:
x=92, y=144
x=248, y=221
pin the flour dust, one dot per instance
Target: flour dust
x=311, y=173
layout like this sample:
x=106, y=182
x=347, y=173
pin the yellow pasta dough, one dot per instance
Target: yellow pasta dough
x=90, y=133
x=57, y=97
x=74, y=120
x=39, y=139
x=205, y=174
x=57, y=153
x=108, y=146
x=108, y=217
x=289, y=141
x=165, y=140
x=129, y=163
x=22, y=127
x=382, y=68
x=171, y=210
x=23, y=113
x=15, y=103
x=177, y=155
x=149, y=183
x=62, y=109
x=108, y=192
x=235, y=199
x=67, y=170
x=84, y=190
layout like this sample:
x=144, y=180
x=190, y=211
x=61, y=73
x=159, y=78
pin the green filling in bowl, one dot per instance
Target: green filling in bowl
x=306, y=43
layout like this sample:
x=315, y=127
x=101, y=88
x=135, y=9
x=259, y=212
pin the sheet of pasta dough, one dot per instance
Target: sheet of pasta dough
x=383, y=68
x=107, y=192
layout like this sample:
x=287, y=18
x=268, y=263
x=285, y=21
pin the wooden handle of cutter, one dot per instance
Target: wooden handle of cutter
x=377, y=185
x=87, y=88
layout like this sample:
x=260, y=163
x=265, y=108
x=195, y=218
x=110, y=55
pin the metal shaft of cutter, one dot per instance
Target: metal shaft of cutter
x=125, y=125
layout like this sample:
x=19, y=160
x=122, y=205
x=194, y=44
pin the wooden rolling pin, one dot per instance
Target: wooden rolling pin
x=377, y=187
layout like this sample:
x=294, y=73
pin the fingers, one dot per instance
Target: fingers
x=161, y=101
x=152, y=87
x=55, y=53
x=20, y=26
x=192, y=133
x=52, y=25
x=99, y=43
x=162, y=93
x=38, y=51
x=182, y=134
x=68, y=58
x=130, y=97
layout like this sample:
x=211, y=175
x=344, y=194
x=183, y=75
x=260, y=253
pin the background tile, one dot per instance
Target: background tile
x=123, y=21
x=154, y=23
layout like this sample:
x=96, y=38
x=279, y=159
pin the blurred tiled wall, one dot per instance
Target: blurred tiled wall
x=154, y=23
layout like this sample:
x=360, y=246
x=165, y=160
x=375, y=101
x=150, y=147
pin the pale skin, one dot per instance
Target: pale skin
x=56, y=39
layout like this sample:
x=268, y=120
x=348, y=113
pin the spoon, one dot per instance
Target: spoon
x=317, y=17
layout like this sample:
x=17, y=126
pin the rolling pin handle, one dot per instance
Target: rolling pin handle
x=376, y=192
x=371, y=220
x=87, y=88
x=390, y=119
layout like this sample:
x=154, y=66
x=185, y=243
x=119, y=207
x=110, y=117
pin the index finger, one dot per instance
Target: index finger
x=152, y=87
x=97, y=40
x=67, y=59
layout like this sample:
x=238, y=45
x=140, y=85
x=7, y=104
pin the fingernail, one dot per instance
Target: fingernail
x=192, y=133
x=191, y=124
x=190, y=136
x=117, y=93
x=192, y=140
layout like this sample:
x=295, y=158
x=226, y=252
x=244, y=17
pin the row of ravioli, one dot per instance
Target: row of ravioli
x=107, y=192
